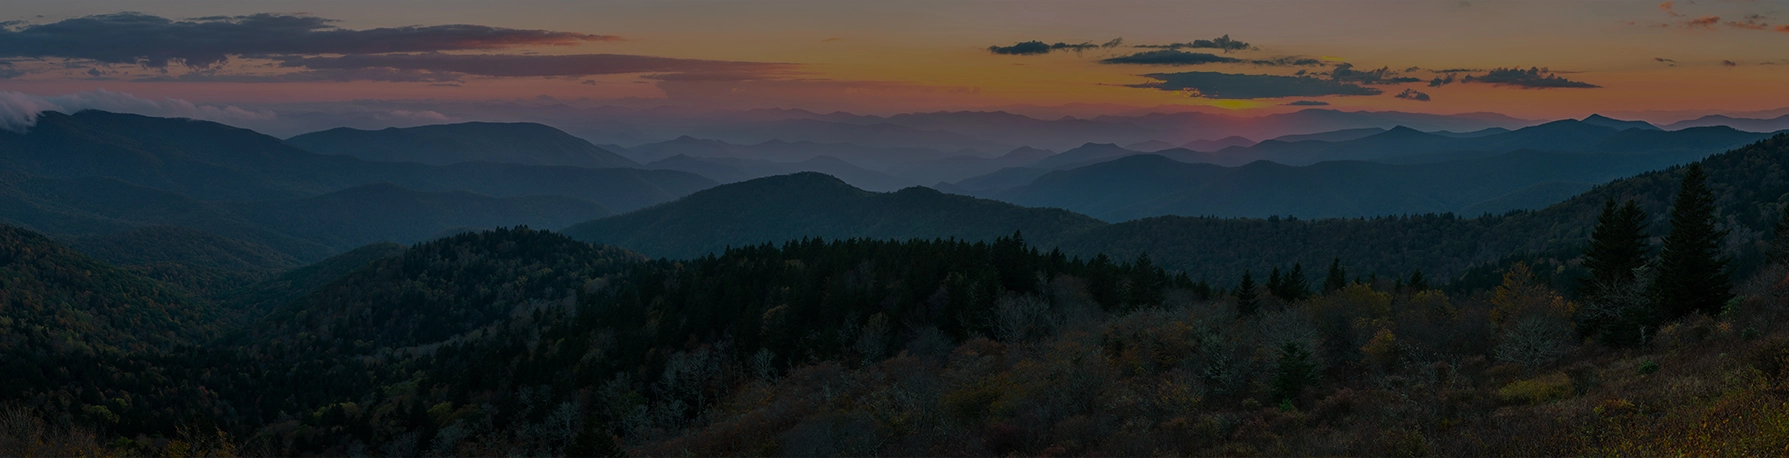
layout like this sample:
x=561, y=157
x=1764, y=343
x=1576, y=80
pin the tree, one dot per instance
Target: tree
x=1418, y=283
x=1295, y=372
x=1246, y=296
x=1617, y=247
x=1693, y=273
x=1338, y=278
x=1294, y=284
x=1779, y=242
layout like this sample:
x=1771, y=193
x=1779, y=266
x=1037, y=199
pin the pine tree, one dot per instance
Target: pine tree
x=1418, y=283
x=1246, y=297
x=1692, y=272
x=1294, y=284
x=1618, y=245
x=1276, y=286
x=1779, y=242
x=1295, y=372
x=1338, y=278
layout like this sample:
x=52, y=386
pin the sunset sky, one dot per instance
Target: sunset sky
x=883, y=57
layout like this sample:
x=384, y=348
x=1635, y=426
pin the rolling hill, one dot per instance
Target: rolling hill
x=517, y=143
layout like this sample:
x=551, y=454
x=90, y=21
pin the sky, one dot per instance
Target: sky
x=1532, y=59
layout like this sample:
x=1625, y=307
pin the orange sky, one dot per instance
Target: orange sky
x=925, y=55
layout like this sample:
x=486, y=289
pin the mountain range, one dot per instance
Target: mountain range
x=443, y=144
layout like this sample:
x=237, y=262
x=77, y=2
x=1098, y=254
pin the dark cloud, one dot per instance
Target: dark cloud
x=1288, y=62
x=1214, y=85
x=509, y=65
x=1532, y=78
x=1440, y=81
x=1729, y=63
x=1412, y=94
x=1383, y=75
x=1223, y=43
x=1170, y=57
x=1307, y=103
x=386, y=75
x=1458, y=70
x=1752, y=22
x=1704, y=22
x=1668, y=61
x=1032, y=48
x=153, y=41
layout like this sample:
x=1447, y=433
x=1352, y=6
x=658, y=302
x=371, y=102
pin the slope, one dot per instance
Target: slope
x=518, y=143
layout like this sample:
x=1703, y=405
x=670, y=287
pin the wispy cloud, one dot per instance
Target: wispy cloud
x=1222, y=43
x=1412, y=94
x=1216, y=85
x=155, y=42
x=1532, y=78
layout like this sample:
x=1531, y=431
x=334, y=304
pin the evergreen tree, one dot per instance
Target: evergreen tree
x=1338, y=278
x=1147, y=283
x=1276, y=286
x=1692, y=272
x=1618, y=245
x=1779, y=242
x=1246, y=297
x=1295, y=372
x=1294, y=284
x=1418, y=283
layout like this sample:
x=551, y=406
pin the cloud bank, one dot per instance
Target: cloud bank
x=19, y=111
x=1215, y=85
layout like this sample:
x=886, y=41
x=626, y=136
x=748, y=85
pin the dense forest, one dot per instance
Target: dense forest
x=1646, y=316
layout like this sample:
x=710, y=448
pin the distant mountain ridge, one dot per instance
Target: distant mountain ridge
x=443, y=144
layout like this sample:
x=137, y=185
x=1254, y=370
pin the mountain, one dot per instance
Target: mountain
x=158, y=244
x=1331, y=136
x=733, y=170
x=879, y=158
x=1745, y=124
x=1084, y=154
x=213, y=162
x=1150, y=145
x=517, y=143
x=254, y=300
x=57, y=302
x=789, y=207
x=1215, y=145
x=956, y=168
x=1151, y=185
x=1617, y=124
x=388, y=213
x=1406, y=145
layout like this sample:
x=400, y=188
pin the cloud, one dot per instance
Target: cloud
x=1170, y=57
x=1440, y=81
x=1384, y=75
x=511, y=65
x=1752, y=22
x=1729, y=63
x=1412, y=94
x=155, y=42
x=1704, y=22
x=1307, y=103
x=1668, y=61
x=1214, y=85
x=19, y=111
x=375, y=74
x=1532, y=78
x=1033, y=48
x=1224, y=43
x=1669, y=9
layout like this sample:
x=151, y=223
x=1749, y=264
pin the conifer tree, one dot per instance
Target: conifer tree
x=1779, y=242
x=1692, y=272
x=1276, y=286
x=1294, y=284
x=1295, y=372
x=1418, y=283
x=1247, y=298
x=1338, y=278
x=1618, y=245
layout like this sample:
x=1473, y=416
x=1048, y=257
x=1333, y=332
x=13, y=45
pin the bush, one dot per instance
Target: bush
x=1538, y=390
x=1648, y=367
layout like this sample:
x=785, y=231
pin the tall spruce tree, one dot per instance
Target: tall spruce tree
x=1276, y=285
x=1294, y=285
x=1418, y=283
x=1247, y=298
x=1692, y=272
x=1779, y=242
x=1338, y=277
x=1617, y=247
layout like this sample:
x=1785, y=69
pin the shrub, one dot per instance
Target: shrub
x=1538, y=390
x=1648, y=367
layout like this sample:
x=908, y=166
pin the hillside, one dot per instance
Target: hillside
x=733, y=170
x=157, y=244
x=790, y=207
x=212, y=162
x=1143, y=186
x=517, y=143
x=55, y=301
x=389, y=213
